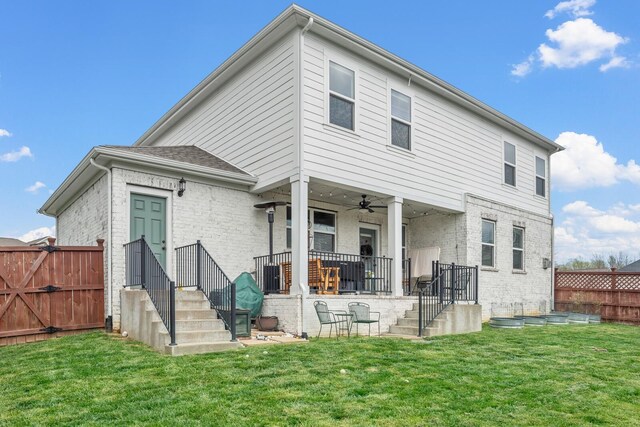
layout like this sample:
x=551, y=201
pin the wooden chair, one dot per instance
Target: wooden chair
x=324, y=279
x=286, y=275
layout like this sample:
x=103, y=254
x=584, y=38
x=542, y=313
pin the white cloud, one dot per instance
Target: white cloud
x=38, y=233
x=615, y=62
x=575, y=8
x=580, y=208
x=585, y=164
x=523, y=68
x=578, y=43
x=14, y=156
x=4, y=132
x=36, y=187
x=586, y=231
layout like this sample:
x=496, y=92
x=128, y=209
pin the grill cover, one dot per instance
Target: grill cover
x=248, y=295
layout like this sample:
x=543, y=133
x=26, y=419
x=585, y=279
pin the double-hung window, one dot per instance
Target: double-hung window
x=541, y=177
x=509, y=164
x=323, y=228
x=324, y=231
x=518, y=248
x=400, y=120
x=488, y=243
x=342, y=96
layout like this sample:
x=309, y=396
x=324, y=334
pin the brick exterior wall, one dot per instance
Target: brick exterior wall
x=502, y=287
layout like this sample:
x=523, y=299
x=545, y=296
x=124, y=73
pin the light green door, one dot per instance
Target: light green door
x=148, y=218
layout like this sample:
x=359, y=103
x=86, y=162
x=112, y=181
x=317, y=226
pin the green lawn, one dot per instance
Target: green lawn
x=573, y=375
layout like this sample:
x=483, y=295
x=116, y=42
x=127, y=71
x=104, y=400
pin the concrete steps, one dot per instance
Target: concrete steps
x=198, y=329
x=455, y=319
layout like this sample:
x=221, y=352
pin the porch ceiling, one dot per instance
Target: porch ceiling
x=350, y=197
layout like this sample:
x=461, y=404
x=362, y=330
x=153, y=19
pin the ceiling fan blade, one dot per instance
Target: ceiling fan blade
x=378, y=206
x=371, y=210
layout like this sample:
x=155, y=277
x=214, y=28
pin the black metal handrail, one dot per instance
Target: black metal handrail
x=273, y=272
x=406, y=276
x=358, y=273
x=451, y=283
x=143, y=269
x=196, y=268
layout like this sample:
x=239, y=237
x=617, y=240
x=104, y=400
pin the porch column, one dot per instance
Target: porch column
x=394, y=229
x=299, y=233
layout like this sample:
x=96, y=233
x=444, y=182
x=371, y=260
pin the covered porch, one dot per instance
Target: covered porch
x=334, y=239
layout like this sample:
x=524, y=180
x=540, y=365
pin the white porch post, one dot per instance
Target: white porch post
x=394, y=229
x=299, y=236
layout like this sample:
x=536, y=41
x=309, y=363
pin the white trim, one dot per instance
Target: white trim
x=377, y=229
x=539, y=155
x=493, y=245
x=513, y=248
x=352, y=65
x=156, y=192
x=390, y=117
x=514, y=165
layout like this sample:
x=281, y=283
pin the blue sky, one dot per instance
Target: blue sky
x=75, y=74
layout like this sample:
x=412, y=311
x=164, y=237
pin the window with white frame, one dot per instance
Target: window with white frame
x=324, y=230
x=518, y=248
x=509, y=164
x=342, y=96
x=541, y=177
x=488, y=243
x=323, y=226
x=400, y=120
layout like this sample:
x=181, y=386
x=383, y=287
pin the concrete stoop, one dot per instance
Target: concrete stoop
x=455, y=319
x=198, y=329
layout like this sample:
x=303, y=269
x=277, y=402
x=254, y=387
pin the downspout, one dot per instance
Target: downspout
x=300, y=125
x=553, y=233
x=109, y=319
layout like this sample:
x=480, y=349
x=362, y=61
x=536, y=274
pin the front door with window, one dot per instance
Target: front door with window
x=148, y=218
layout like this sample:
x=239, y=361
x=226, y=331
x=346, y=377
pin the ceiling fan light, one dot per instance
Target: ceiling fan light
x=363, y=210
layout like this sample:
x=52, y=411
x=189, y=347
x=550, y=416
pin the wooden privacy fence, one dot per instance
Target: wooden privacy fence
x=50, y=291
x=614, y=295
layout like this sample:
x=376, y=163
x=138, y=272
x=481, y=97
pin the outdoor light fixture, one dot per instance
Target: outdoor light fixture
x=182, y=185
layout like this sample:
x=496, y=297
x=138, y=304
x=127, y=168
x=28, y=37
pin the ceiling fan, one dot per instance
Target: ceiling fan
x=366, y=206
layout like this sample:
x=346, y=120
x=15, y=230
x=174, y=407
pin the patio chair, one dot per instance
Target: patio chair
x=362, y=314
x=422, y=266
x=325, y=317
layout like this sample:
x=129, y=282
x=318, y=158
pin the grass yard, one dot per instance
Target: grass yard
x=572, y=375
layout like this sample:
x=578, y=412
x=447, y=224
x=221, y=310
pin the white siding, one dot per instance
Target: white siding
x=249, y=120
x=454, y=151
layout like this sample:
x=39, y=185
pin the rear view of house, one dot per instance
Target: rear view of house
x=368, y=160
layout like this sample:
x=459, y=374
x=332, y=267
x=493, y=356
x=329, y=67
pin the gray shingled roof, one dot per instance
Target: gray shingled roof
x=10, y=241
x=634, y=267
x=182, y=153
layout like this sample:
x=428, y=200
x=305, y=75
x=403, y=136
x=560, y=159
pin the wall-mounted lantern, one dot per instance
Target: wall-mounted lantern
x=182, y=186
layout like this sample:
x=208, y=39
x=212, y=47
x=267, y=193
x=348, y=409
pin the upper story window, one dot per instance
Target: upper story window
x=518, y=248
x=541, y=177
x=400, y=120
x=509, y=164
x=342, y=96
x=488, y=243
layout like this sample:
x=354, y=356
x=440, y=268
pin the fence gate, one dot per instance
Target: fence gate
x=50, y=291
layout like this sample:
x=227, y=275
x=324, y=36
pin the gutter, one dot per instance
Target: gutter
x=109, y=319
